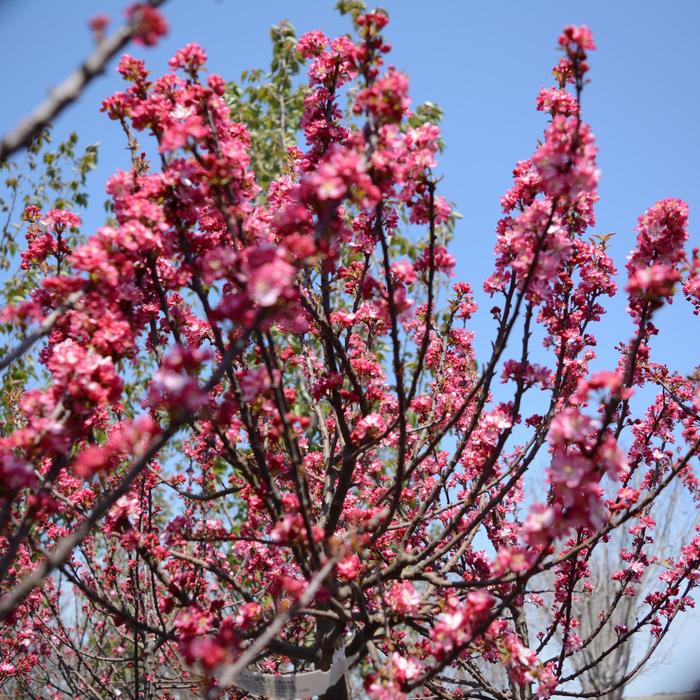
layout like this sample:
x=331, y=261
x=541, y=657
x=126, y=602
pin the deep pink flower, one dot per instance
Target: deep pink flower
x=581, y=35
x=150, y=24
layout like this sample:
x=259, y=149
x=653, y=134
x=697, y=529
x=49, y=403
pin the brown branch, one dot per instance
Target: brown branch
x=71, y=88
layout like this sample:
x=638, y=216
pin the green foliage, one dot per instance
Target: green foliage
x=354, y=8
x=45, y=177
x=49, y=178
x=427, y=112
x=270, y=105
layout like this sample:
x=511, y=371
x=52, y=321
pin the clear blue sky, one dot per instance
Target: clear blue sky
x=483, y=62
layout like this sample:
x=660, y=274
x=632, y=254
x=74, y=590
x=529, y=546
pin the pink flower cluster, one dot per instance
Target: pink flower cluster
x=459, y=624
x=150, y=24
x=654, y=266
x=581, y=454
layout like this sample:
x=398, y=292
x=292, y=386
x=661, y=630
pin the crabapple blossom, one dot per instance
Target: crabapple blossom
x=259, y=433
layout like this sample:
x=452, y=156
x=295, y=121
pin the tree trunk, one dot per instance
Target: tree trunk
x=339, y=691
x=328, y=636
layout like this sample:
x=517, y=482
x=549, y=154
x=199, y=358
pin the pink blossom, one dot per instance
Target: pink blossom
x=59, y=219
x=270, y=281
x=404, y=668
x=15, y=473
x=150, y=25
x=349, y=568
x=569, y=469
x=132, y=69
x=557, y=101
x=387, y=99
x=403, y=598
x=539, y=524
x=312, y=44
x=99, y=23
x=190, y=58
x=566, y=161
x=371, y=426
x=580, y=35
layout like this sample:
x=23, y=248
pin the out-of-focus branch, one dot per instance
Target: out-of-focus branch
x=46, y=326
x=71, y=88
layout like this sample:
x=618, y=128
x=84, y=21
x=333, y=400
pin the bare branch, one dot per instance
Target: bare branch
x=71, y=88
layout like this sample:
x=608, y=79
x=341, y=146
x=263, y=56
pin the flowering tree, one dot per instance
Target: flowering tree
x=264, y=443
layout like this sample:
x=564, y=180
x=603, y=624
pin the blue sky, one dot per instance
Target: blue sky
x=484, y=63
